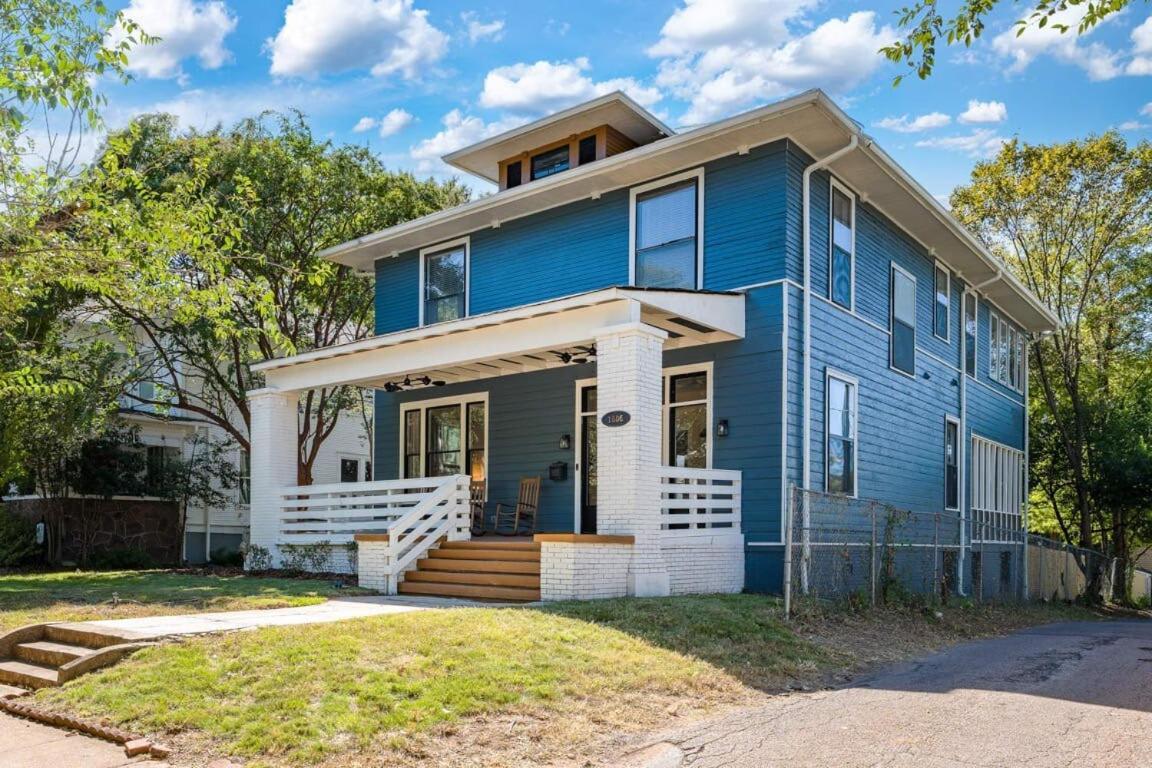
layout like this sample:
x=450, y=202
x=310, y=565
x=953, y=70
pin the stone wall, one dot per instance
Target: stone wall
x=81, y=529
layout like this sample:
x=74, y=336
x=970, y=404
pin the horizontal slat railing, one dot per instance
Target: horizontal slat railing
x=700, y=501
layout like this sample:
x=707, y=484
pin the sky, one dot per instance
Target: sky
x=415, y=79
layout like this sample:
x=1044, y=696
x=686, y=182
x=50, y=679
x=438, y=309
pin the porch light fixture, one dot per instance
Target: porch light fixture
x=580, y=356
x=565, y=442
x=722, y=428
x=409, y=383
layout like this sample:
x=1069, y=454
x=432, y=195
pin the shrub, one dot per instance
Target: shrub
x=17, y=540
x=229, y=558
x=256, y=557
x=122, y=559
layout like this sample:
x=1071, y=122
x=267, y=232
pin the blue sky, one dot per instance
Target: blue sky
x=414, y=79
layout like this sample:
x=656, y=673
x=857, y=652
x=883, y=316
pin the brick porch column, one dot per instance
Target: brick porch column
x=274, y=456
x=629, y=366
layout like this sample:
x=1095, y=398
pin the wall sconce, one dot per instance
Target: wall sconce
x=565, y=442
x=722, y=428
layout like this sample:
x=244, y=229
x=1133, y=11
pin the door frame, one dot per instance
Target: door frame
x=578, y=445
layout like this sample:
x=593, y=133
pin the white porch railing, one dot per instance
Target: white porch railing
x=411, y=516
x=699, y=500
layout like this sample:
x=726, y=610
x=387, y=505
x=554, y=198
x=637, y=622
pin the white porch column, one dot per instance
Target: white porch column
x=274, y=458
x=629, y=365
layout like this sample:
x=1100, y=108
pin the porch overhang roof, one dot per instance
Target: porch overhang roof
x=525, y=338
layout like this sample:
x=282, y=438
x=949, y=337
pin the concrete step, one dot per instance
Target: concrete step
x=480, y=579
x=27, y=675
x=50, y=654
x=473, y=591
x=489, y=542
x=85, y=636
x=478, y=566
x=488, y=553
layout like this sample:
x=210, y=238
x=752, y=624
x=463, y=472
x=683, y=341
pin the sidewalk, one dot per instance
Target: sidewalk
x=25, y=744
x=230, y=621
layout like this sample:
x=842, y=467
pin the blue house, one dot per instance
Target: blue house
x=668, y=330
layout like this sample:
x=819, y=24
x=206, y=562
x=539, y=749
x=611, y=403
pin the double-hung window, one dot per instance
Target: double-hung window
x=445, y=284
x=951, y=463
x=903, y=325
x=843, y=247
x=666, y=233
x=840, y=437
x=1005, y=352
x=970, y=334
x=244, y=478
x=943, y=303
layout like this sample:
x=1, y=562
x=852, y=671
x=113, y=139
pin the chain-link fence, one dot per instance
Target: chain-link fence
x=870, y=553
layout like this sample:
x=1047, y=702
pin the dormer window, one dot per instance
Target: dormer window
x=514, y=175
x=550, y=162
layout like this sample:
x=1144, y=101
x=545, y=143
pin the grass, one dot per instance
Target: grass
x=498, y=686
x=86, y=595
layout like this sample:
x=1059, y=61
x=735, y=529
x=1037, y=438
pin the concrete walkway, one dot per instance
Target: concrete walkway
x=230, y=621
x=25, y=744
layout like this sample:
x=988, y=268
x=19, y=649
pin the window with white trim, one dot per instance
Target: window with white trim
x=1005, y=352
x=445, y=436
x=841, y=407
x=997, y=490
x=244, y=478
x=942, y=305
x=686, y=401
x=666, y=234
x=970, y=327
x=445, y=285
x=842, y=247
x=951, y=463
x=903, y=322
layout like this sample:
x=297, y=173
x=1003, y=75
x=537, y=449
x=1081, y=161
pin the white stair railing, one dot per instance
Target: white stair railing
x=701, y=501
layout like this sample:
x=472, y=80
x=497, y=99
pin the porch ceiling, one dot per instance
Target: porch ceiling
x=528, y=338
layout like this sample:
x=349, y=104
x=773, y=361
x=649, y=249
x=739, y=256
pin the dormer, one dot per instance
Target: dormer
x=594, y=130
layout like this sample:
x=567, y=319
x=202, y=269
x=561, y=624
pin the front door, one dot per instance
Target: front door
x=587, y=458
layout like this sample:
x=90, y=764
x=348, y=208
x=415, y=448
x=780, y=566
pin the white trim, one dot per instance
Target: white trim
x=785, y=388
x=835, y=184
x=894, y=267
x=436, y=402
x=942, y=267
x=666, y=408
x=439, y=248
x=765, y=284
x=634, y=192
x=949, y=419
x=844, y=378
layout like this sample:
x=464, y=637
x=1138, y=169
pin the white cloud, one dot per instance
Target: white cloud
x=546, y=86
x=1147, y=110
x=459, y=130
x=904, y=124
x=187, y=30
x=1098, y=61
x=1132, y=125
x=364, y=124
x=389, y=125
x=1141, y=63
x=984, y=112
x=723, y=55
x=384, y=36
x=482, y=30
x=982, y=142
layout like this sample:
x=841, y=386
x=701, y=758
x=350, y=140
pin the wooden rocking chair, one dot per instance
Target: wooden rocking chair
x=522, y=514
x=478, y=492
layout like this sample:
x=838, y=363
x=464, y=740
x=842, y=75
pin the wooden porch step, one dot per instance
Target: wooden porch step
x=477, y=566
x=477, y=553
x=525, y=581
x=49, y=654
x=493, y=543
x=473, y=591
x=27, y=675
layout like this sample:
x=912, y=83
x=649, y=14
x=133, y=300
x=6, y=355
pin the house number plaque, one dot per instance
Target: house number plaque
x=616, y=418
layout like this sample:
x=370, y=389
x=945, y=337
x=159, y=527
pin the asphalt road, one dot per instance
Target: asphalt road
x=1072, y=694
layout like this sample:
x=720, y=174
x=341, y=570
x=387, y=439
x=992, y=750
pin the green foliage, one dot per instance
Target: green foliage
x=227, y=558
x=121, y=559
x=17, y=540
x=256, y=557
x=307, y=558
x=925, y=27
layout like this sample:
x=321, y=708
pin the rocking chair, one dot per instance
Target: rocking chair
x=521, y=515
x=478, y=490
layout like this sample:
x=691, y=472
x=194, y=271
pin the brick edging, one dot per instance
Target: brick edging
x=133, y=744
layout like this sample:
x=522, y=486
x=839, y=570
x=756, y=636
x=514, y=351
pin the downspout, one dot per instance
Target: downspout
x=806, y=354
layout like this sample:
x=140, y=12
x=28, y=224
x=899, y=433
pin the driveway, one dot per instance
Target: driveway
x=1070, y=694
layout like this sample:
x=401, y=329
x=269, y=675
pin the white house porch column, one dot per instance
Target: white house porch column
x=274, y=460
x=629, y=365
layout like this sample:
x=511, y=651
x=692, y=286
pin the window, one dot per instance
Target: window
x=512, y=175
x=548, y=163
x=587, y=150
x=349, y=470
x=666, y=247
x=943, y=303
x=244, y=478
x=445, y=281
x=951, y=463
x=903, y=344
x=843, y=248
x=970, y=334
x=158, y=460
x=446, y=436
x=997, y=488
x=840, y=437
x=1006, y=355
x=367, y=471
x=687, y=431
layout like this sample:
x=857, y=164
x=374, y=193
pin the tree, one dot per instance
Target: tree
x=216, y=237
x=923, y=26
x=1074, y=222
x=202, y=476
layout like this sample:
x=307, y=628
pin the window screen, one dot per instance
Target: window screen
x=666, y=237
x=444, y=279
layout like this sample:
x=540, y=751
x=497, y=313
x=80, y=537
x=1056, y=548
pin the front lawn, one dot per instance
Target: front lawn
x=88, y=595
